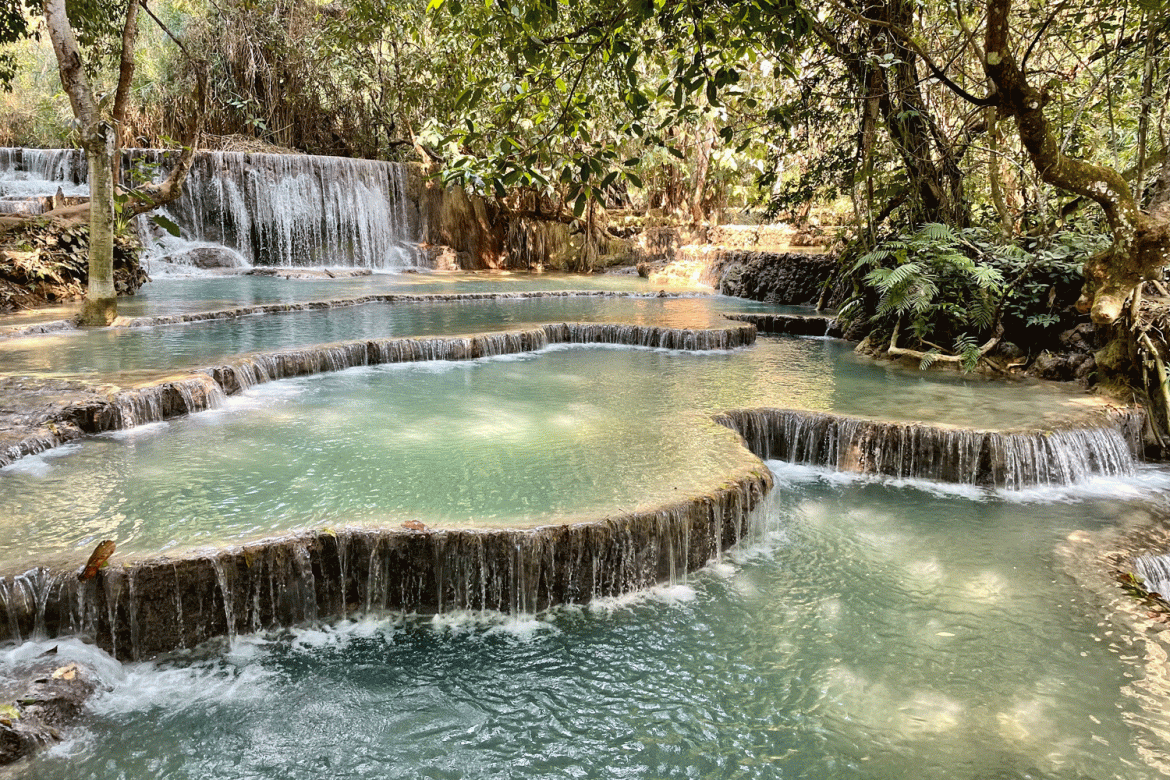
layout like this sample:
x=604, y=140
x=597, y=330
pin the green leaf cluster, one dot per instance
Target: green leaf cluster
x=929, y=281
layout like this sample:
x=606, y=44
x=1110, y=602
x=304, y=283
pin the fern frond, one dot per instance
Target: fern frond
x=928, y=359
x=903, y=273
x=987, y=277
x=873, y=257
x=982, y=313
x=938, y=232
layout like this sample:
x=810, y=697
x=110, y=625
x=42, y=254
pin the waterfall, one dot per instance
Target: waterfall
x=1006, y=459
x=140, y=609
x=30, y=172
x=1155, y=573
x=300, y=210
x=274, y=209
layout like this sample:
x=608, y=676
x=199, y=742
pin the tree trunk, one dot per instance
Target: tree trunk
x=929, y=159
x=101, y=300
x=1141, y=241
x=97, y=139
x=706, y=140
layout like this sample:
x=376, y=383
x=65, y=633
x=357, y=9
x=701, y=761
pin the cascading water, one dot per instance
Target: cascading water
x=1154, y=571
x=41, y=171
x=301, y=210
x=1008, y=459
x=865, y=627
x=274, y=210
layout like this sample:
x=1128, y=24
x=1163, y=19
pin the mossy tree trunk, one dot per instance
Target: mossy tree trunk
x=1141, y=240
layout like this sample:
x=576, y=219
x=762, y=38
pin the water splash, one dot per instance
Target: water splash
x=140, y=609
x=298, y=210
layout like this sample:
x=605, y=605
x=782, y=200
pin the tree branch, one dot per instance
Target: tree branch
x=910, y=44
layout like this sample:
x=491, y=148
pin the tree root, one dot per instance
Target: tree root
x=895, y=351
x=1151, y=349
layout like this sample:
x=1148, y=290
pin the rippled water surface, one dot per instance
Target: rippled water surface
x=140, y=353
x=869, y=630
x=169, y=295
x=568, y=432
x=874, y=631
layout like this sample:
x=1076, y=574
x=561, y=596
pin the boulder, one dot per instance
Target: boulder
x=207, y=257
x=38, y=704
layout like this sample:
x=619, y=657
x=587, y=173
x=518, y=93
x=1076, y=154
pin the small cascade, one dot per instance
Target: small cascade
x=22, y=205
x=141, y=609
x=40, y=172
x=298, y=210
x=112, y=583
x=1003, y=459
x=251, y=370
x=651, y=336
x=155, y=403
x=1155, y=573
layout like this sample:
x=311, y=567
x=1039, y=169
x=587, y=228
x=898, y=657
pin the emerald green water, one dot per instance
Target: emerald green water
x=135, y=353
x=171, y=295
x=874, y=631
x=564, y=433
x=870, y=629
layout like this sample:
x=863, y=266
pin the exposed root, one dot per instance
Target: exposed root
x=893, y=350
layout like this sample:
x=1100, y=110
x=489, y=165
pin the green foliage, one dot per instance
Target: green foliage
x=954, y=287
x=14, y=27
x=589, y=97
x=1047, y=279
x=928, y=281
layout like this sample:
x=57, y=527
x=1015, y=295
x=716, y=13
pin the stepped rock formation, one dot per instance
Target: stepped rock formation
x=141, y=608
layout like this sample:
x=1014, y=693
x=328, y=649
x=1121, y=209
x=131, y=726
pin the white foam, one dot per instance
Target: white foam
x=673, y=594
x=138, y=431
x=61, y=652
x=147, y=686
x=525, y=626
x=41, y=465
x=1148, y=480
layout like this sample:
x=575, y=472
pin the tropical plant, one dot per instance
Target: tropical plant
x=928, y=283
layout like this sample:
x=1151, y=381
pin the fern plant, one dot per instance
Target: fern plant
x=929, y=281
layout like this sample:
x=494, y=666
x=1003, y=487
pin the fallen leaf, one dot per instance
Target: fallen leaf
x=99, y=558
x=65, y=672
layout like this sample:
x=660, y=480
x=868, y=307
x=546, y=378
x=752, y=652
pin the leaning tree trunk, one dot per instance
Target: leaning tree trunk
x=1141, y=240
